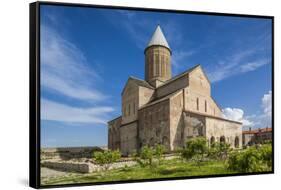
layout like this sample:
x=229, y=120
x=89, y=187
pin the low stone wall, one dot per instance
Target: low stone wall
x=82, y=167
x=67, y=166
x=88, y=166
x=67, y=153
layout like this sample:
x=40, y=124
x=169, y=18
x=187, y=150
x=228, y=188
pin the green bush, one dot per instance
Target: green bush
x=145, y=156
x=249, y=160
x=195, y=149
x=105, y=158
x=219, y=151
x=159, y=152
x=148, y=155
x=266, y=154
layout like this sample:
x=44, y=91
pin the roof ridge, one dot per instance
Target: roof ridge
x=180, y=75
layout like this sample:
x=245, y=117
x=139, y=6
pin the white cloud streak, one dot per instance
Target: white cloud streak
x=64, y=68
x=54, y=111
x=236, y=64
x=65, y=71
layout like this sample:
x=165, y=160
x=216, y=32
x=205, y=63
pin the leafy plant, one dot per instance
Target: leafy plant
x=266, y=154
x=219, y=151
x=105, y=158
x=159, y=151
x=249, y=160
x=195, y=149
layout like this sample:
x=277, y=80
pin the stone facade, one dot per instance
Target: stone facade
x=168, y=110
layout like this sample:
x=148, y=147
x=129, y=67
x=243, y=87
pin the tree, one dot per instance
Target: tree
x=105, y=158
x=195, y=149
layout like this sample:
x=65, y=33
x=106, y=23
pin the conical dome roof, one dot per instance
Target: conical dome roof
x=158, y=38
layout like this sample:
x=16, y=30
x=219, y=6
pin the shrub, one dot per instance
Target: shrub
x=219, y=151
x=266, y=154
x=104, y=159
x=145, y=156
x=159, y=151
x=148, y=154
x=195, y=149
x=249, y=160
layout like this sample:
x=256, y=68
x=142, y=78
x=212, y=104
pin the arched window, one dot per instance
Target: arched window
x=197, y=103
x=222, y=139
x=212, y=140
x=205, y=105
x=236, y=142
x=129, y=109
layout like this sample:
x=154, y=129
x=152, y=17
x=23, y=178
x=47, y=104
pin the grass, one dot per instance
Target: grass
x=167, y=169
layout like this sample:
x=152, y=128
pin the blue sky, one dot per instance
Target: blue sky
x=87, y=55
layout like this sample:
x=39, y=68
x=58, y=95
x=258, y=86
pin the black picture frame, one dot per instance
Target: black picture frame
x=34, y=90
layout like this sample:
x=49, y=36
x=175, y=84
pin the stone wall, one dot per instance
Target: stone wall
x=145, y=95
x=130, y=102
x=154, y=122
x=221, y=129
x=199, y=83
x=194, y=126
x=175, y=114
x=128, y=138
x=67, y=153
x=114, y=133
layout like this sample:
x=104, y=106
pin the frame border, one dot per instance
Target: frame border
x=34, y=91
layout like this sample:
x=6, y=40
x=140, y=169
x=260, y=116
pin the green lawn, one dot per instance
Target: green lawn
x=168, y=169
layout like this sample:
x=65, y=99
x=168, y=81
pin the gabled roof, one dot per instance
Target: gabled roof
x=179, y=75
x=157, y=100
x=158, y=38
x=139, y=82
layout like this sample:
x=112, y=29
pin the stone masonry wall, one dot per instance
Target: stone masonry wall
x=128, y=137
x=154, y=122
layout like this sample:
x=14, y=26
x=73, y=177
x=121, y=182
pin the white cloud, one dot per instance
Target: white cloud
x=267, y=104
x=236, y=114
x=251, y=66
x=235, y=64
x=65, y=70
x=55, y=111
x=256, y=120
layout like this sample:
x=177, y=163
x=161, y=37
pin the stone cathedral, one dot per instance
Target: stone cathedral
x=168, y=110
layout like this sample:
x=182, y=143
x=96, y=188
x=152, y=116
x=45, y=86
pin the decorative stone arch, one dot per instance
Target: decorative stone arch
x=151, y=142
x=236, y=142
x=222, y=139
x=212, y=140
